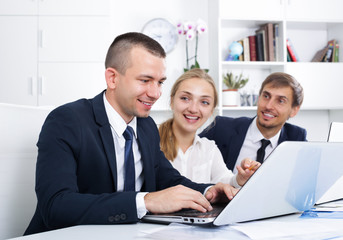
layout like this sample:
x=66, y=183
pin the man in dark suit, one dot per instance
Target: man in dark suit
x=83, y=158
x=280, y=98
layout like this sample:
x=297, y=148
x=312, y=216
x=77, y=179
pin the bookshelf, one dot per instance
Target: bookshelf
x=308, y=34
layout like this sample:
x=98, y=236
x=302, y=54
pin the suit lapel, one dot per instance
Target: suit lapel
x=146, y=157
x=105, y=134
x=236, y=141
x=283, y=135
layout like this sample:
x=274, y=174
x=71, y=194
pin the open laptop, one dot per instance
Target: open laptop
x=293, y=177
x=336, y=191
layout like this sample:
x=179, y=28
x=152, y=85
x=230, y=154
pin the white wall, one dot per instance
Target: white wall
x=131, y=15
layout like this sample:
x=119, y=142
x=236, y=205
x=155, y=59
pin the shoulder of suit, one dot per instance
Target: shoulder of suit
x=230, y=120
x=294, y=131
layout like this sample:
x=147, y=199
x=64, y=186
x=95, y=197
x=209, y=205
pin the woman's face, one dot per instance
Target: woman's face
x=192, y=104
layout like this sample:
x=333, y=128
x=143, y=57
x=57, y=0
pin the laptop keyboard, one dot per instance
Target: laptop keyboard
x=195, y=213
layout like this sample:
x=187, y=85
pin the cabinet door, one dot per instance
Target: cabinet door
x=65, y=82
x=73, y=39
x=18, y=7
x=321, y=83
x=18, y=60
x=75, y=7
x=314, y=10
x=250, y=9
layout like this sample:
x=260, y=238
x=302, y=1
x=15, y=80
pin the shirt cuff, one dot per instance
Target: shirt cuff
x=140, y=204
x=207, y=189
x=234, y=182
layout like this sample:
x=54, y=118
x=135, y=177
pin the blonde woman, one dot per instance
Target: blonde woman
x=193, y=99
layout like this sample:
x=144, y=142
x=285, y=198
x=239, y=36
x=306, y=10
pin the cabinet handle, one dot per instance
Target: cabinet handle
x=41, y=38
x=32, y=86
x=41, y=86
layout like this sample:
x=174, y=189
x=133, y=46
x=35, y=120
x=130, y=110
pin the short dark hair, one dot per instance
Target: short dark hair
x=118, y=53
x=281, y=79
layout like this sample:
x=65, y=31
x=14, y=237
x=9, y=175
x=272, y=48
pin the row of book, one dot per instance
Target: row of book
x=329, y=53
x=263, y=46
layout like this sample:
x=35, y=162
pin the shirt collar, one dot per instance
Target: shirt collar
x=256, y=135
x=116, y=121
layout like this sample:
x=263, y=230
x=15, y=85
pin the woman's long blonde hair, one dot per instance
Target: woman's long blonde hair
x=168, y=140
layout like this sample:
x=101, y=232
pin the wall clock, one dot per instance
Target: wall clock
x=163, y=32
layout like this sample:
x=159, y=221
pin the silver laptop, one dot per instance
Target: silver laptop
x=292, y=179
x=336, y=191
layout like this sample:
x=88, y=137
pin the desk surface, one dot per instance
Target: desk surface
x=291, y=224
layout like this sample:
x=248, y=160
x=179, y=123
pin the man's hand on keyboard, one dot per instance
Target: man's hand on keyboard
x=220, y=193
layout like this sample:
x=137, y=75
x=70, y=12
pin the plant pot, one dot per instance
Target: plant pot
x=230, y=98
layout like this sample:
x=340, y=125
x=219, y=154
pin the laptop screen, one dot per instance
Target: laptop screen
x=336, y=132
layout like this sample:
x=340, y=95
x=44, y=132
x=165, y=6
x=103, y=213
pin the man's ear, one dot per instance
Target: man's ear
x=294, y=111
x=111, y=76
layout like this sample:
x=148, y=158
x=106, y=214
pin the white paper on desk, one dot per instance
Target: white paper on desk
x=182, y=231
x=299, y=229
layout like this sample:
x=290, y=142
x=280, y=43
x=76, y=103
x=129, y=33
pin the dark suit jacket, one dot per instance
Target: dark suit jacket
x=229, y=134
x=76, y=174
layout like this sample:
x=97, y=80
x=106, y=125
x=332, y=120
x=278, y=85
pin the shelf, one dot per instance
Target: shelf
x=252, y=64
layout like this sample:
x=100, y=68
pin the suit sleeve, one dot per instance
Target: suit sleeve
x=60, y=202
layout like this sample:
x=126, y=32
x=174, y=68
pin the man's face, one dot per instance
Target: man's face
x=274, y=108
x=140, y=87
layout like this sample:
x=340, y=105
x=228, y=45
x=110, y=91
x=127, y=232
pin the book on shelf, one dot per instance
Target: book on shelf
x=288, y=57
x=276, y=41
x=252, y=47
x=336, y=58
x=246, y=49
x=320, y=55
x=270, y=41
x=291, y=50
x=259, y=46
x=331, y=51
x=240, y=57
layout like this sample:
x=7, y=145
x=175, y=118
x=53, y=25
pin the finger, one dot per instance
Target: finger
x=198, y=201
x=230, y=191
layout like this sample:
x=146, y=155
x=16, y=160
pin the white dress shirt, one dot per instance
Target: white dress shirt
x=118, y=126
x=203, y=163
x=252, y=143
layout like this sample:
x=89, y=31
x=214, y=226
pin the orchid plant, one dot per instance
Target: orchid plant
x=192, y=30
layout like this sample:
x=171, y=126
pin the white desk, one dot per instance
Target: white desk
x=144, y=231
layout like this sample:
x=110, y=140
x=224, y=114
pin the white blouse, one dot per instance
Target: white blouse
x=203, y=163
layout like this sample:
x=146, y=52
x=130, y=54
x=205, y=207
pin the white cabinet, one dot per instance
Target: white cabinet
x=60, y=83
x=18, y=59
x=314, y=10
x=309, y=32
x=248, y=9
x=52, y=51
x=73, y=39
x=18, y=7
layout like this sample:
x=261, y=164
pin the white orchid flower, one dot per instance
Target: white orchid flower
x=189, y=26
x=201, y=26
x=190, y=34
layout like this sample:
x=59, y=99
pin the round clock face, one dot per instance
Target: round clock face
x=163, y=32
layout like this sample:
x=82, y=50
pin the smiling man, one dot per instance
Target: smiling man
x=99, y=160
x=280, y=98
